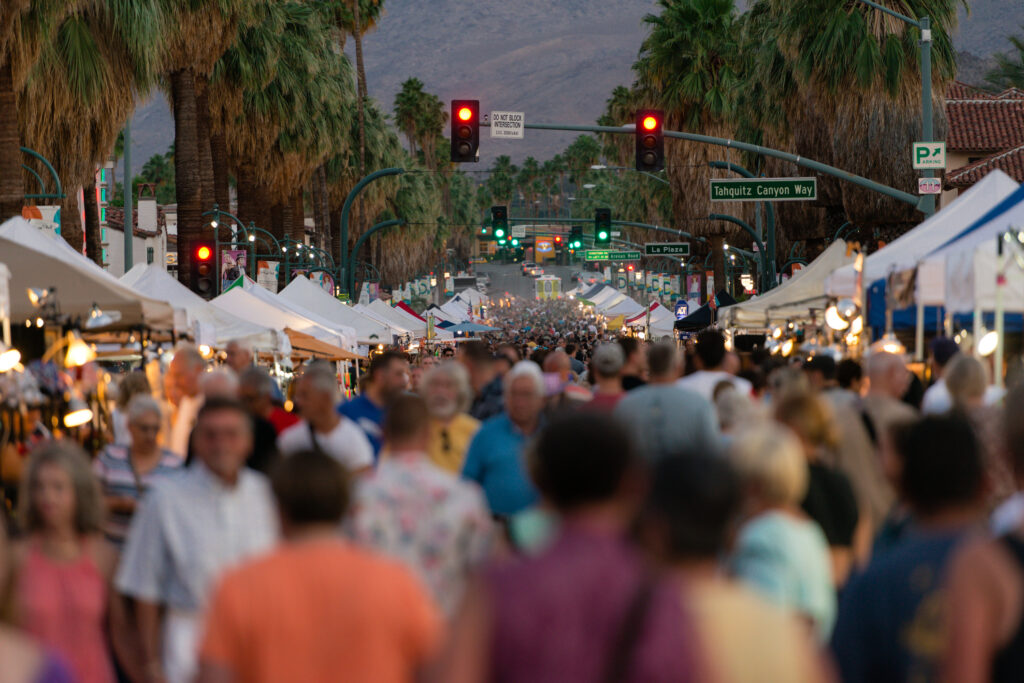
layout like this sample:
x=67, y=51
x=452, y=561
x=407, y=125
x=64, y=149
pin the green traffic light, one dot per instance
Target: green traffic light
x=499, y=232
x=602, y=235
x=515, y=243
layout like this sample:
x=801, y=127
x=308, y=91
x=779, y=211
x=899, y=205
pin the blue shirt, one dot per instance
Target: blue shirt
x=890, y=619
x=368, y=416
x=496, y=461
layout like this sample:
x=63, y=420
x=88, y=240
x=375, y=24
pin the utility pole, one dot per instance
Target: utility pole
x=129, y=198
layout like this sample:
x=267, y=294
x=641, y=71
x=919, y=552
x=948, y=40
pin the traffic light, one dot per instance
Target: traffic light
x=499, y=221
x=602, y=226
x=515, y=242
x=202, y=269
x=576, y=237
x=650, y=140
x=465, y=130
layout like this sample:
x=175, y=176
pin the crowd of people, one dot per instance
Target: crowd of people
x=553, y=503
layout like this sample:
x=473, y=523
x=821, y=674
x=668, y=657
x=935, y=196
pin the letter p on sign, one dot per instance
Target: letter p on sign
x=929, y=155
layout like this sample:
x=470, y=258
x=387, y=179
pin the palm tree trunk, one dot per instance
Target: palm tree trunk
x=277, y=221
x=333, y=244
x=11, y=190
x=298, y=231
x=70, y=220
x=93, y=241
x=187, y=175
x=718, y=261
x=219, y=154
x=360, y=87
x=206, y=171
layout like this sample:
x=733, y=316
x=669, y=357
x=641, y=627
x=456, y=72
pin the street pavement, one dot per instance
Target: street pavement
x=509, y=278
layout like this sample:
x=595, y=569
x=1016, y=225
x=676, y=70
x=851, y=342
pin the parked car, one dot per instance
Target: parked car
x=528, y=267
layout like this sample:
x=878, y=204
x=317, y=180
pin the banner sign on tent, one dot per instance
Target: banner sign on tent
x=682, y=309
x=710, y=293
x=267, y=273
x=232, y=265
x=693, y=287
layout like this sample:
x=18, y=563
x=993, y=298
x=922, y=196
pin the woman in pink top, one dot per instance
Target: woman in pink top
x=61, y=566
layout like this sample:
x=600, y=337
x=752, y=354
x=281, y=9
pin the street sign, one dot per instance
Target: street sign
x=930, y=155
x=929, y=186
x=602, y=255
x=763, y=189
x=518, y=231
x=616, y=233
x=507, y=124
x=667, y=248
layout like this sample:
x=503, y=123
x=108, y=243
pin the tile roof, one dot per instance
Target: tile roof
x=1010, y=161
x=988, y=125
x=115, y=220
x=958, y=90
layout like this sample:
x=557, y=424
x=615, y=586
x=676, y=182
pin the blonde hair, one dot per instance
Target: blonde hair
x=70, y=457
x=810, y=417
x=966, y=378
x=771, y=458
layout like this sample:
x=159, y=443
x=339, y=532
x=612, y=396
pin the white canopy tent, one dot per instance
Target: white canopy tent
x=907, y=251
x=792, y=299
x=247, y=305
x=152, y=280
x=381, y=318
x=417, y=327
x=472, y=296
x=457, y=311
x=36, y=258
x=345, y=332
x=624, y=306
x=962, y=274
x=660, y=316
x=302, y=292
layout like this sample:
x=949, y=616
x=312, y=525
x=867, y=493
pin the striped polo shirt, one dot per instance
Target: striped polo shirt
x=113, y=468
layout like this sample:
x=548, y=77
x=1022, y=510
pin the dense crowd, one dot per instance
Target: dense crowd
x=556, y=502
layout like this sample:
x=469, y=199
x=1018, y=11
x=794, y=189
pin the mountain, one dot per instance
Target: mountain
x=555, y=61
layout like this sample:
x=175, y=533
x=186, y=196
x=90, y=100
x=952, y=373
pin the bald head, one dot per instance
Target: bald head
x=558, y=362
x=888, y=374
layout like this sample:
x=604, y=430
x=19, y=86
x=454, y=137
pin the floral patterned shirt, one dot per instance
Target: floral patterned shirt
x=426, y=517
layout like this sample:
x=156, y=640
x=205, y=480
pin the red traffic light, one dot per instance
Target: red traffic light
x=630, y=267
x=558, y=238
x=465, y=114
x=204, y=253
x=649, y=123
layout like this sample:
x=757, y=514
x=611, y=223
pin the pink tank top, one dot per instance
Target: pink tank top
x=63, y=604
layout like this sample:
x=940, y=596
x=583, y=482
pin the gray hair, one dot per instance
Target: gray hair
x=966, y=378
x=142, y=404
x=70, y=457
x=224, y=379
x=457, y=373
x=190, y=355
x=529, y=370
x=258, y=379
x=322, y=377
x=770, y=457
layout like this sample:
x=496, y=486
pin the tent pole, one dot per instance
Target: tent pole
x=919, y=332
x=1000, y=318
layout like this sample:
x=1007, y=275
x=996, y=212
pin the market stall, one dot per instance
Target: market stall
x=793, y=300
x=248, y=306
x=302, y=292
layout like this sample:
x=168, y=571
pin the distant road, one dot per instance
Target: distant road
x=510, y=279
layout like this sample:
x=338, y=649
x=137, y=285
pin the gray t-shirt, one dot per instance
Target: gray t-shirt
x=667, y=420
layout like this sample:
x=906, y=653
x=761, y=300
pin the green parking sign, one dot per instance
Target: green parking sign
x=929, y=155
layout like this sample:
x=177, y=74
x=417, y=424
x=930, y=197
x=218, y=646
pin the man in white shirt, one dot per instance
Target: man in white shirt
x=937, y=399
x=182, y=389
x=189, y=528
x=322, y=428
x=711, y=364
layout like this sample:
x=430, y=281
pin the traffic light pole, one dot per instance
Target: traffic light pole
x=632, y=224
x=920, y=203
x=346, y=210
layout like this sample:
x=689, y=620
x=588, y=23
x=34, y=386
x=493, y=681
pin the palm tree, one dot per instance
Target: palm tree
x=407, y=103
x=858, y=68
x=430, y=119
x=197, y=33
x=1009, y=70
x=687, y=66
x=501, y=182
x=25, y=27
x=102, y=44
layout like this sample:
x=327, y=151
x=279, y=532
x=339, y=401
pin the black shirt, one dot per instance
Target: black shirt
x=630, y=382
x=831, y=503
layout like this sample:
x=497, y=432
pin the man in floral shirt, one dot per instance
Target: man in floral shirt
x=422, y=515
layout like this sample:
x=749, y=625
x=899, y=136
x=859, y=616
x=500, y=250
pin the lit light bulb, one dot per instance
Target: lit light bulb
x=857, y=326
x=833, y=320
x=78, y=413
x=9, y=358
x=205, y=351
x=787, y=347
x=988, y=343
x=79, y=353
x=40, y=322
x=213, y=223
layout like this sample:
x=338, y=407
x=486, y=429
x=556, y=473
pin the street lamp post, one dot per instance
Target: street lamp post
x=924, y=24
x=346, y=210
x=129, y=199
